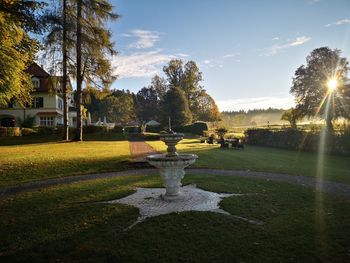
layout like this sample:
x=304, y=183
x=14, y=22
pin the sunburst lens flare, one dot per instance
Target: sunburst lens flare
x=332, y=84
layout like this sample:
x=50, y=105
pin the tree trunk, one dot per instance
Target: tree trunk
x=64, y=87
x=329, y=124
x=79, y=129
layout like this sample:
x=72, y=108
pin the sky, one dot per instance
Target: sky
x=247, y=50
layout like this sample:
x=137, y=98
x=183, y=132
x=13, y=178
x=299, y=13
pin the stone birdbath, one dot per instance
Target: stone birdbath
x=172, y=165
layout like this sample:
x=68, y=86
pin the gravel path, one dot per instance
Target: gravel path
x=335, y=188
x=139, y=150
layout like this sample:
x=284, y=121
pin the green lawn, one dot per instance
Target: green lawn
x=67, y=224
x=336, y=168
x=48, y=158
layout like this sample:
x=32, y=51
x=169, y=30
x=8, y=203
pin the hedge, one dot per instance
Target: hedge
x=337, y=143
x=194, y=128
x=94, y=129
x=155, y=129
x=10, y=131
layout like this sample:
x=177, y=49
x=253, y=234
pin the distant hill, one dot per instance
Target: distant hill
x=256, y=117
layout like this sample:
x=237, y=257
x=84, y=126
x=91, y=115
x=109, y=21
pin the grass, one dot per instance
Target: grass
x=48, y=158
x=67, y=223
x=336, y=168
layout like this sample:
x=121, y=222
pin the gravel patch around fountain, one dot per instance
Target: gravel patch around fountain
x=150, y=203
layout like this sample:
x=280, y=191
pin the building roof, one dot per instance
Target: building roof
x=37, y=71
x=152, y=123
x=47, y=81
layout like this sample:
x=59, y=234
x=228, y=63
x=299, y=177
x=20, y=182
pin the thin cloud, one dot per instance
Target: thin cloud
x=207, y=62
x=338, y=23
x=183, y=55
x=144, y=38
x=143, y=64
x=256, y=103
x=231, y=55
x=278, y=48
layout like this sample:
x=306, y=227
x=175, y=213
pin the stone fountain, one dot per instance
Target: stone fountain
x=154, y=201
x=172, y=165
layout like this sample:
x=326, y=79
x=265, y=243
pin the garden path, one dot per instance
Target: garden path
x=340, y=189
x=139, y=150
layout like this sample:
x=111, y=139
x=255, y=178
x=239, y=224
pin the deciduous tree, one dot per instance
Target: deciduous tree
x=310, y=85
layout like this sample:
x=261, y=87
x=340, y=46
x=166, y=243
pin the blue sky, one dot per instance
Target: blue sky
x=247, y=50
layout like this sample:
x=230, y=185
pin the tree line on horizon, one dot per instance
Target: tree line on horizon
x=179, y=96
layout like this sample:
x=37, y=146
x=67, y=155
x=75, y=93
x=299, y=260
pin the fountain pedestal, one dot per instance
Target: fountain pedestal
x=172, y=166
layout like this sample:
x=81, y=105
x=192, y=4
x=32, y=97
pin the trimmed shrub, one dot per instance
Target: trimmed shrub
x=199, y=127
x=44, y=130
x=28, y=131
x=3, y=131
x=94, y=129
x=151, y=137
x=194, y=128
x=299, y=140
x=132, y=129
x=13, y=131
x=155, y=129
x=118, y=129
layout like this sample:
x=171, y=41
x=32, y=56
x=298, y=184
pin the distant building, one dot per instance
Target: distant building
x=47, y=103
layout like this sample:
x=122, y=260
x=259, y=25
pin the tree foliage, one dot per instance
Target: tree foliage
x=310, y=85
x=206, y=108
x=176, y=107
x=292, y=116
x=188, y=78
x=17, y=48
x=147, y=104
x=118, y=108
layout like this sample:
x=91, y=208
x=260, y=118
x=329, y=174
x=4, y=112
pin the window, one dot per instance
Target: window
x=46, y=121
x=60, y=104
x=36, y=83
x=38, y=102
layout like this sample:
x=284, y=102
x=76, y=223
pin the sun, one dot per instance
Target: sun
x=332, y=84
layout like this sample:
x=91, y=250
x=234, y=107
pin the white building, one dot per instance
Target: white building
x=47, y=104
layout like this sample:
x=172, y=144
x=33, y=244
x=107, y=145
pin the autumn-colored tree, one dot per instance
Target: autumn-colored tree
x=17, y=48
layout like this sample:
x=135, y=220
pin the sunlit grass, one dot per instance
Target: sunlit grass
x=254, y=158
x=24, y=163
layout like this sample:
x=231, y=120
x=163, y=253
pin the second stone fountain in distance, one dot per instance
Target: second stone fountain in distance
x=172, y=166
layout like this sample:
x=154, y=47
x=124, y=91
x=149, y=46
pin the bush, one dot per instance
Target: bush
x=59, y=130
x=118, y=129
x=299, y=140
x=44, y=130
x=13, y=131
x=3, y=131
x=28, y=122
x=28, y=131
x=199, y=127
x=94, y=129
x=155, y=129
x=194, y=128
x=151, y=137
x=132, y=129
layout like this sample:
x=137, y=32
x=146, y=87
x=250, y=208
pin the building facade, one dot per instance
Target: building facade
x=47, y=105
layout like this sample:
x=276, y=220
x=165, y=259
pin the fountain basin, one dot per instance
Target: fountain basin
x=171, y=169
